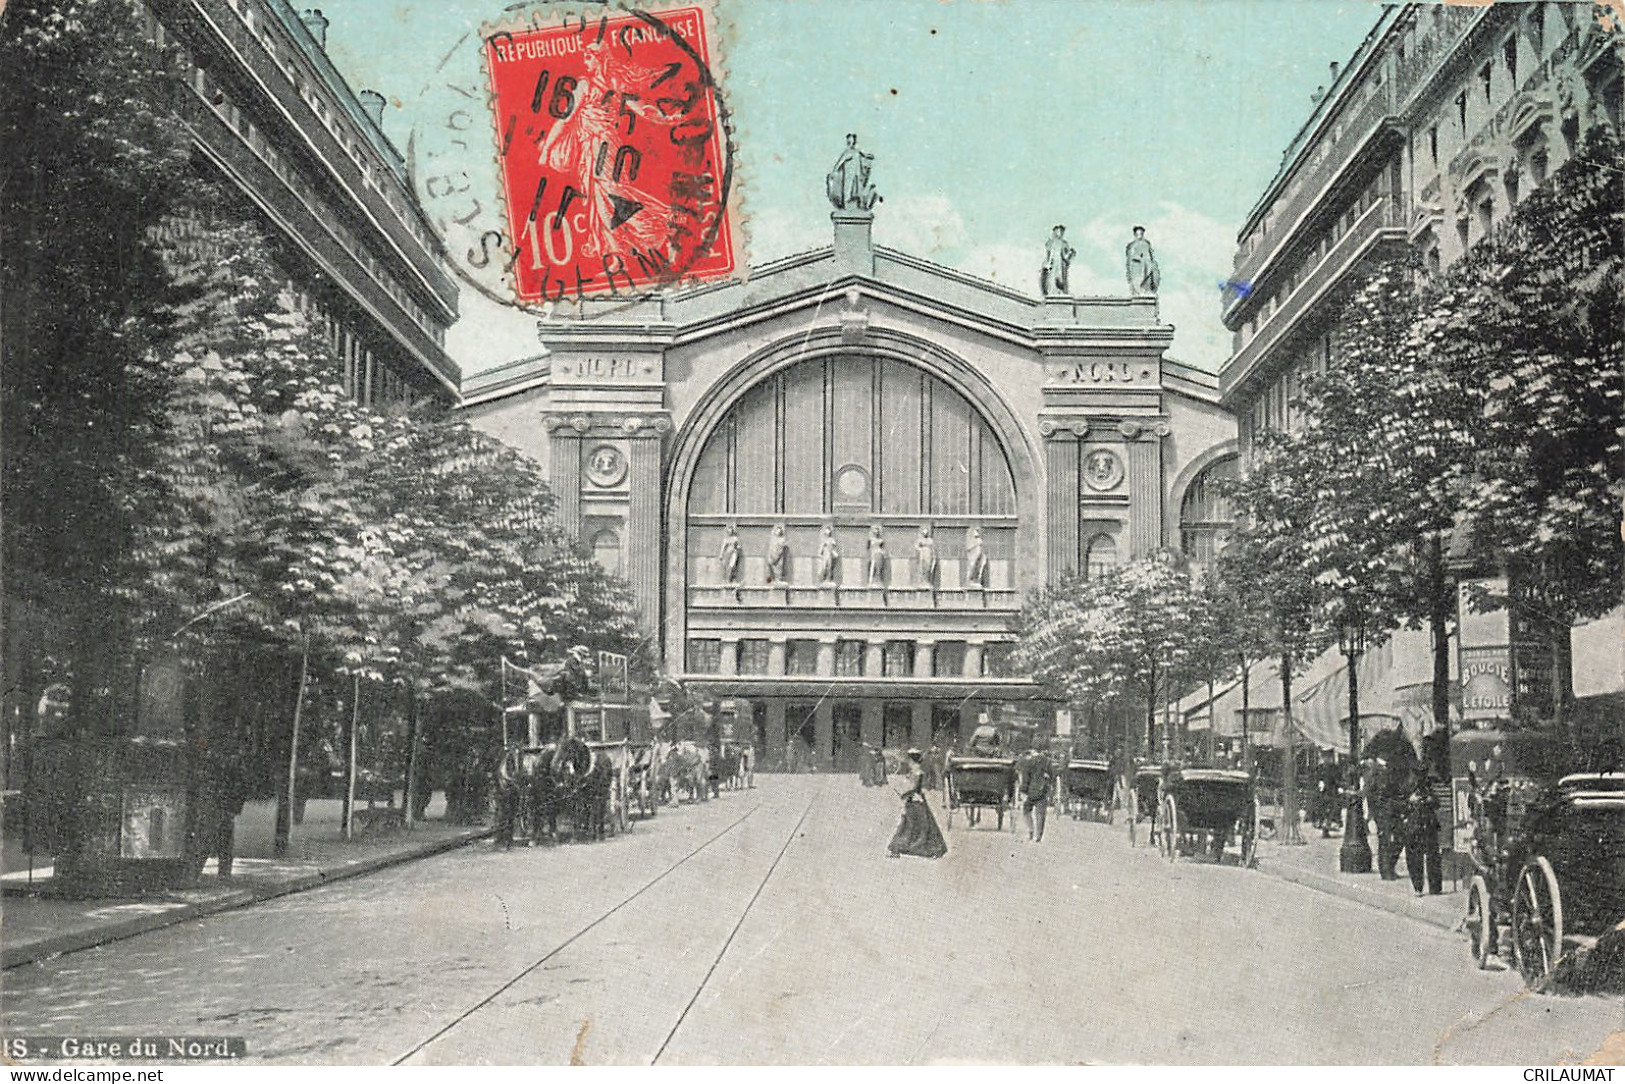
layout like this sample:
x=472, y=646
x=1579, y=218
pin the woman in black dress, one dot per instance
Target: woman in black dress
x=917, y=834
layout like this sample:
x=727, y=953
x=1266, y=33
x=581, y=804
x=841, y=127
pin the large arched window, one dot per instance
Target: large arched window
x=1205, y=515
x=853, y=435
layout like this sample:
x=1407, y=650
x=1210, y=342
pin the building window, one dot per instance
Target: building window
x=753, y=656
x=801, y=657
x=849, y=658
x=949, y=659
x=1101, y=556
x=1205, y=514
x=898, y=658
x=998, y=660
x=606, y=550
x=705, y=656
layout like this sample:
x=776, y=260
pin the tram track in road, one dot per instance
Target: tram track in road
x=485, y=1002
x=733, y=933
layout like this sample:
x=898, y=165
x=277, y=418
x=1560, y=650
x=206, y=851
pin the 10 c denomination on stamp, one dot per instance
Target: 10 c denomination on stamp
x=614, y=162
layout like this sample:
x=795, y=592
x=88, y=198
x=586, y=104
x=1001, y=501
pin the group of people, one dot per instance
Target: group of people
x=917, y=833
x=1398, y=799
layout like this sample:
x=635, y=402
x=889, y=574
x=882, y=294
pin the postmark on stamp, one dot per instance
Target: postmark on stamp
x=612, y=154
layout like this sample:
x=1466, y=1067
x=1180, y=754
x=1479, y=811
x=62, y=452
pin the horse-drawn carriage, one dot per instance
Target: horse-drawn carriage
x=584, y=782
x=1203, y=809
x=1089, y=790
x=1548, y=855
x=1144, y=802
x=975, y=783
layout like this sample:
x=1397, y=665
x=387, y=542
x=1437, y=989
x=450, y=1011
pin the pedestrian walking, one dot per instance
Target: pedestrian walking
x=917, y=833
x=221, y=794
x=1037, y=776
x=1422, y=838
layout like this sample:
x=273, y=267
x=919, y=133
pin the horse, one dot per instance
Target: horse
x=690, y=768
x=582, y=778
x=526, y=796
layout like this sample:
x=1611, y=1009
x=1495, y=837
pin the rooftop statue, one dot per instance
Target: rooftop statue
x=847, y=183
x=1140, y=265
x=1057, y=258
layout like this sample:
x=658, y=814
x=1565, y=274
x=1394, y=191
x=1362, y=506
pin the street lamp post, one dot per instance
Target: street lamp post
x=1355, y=854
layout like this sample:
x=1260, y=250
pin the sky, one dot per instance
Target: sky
x=990, y=121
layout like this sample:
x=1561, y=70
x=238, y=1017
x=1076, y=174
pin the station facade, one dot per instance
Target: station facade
x=831, y=485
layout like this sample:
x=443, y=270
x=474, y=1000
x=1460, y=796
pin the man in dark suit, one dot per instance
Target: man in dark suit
x=1422, y=837
x=1037, y=780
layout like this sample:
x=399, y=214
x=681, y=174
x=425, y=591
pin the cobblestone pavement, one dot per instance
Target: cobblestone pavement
x=768, y=926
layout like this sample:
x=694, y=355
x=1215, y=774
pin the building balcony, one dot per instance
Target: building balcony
x=308, y=229
x=813, y=596
x=419, y=261
x=1379, y=231
x=1370, y=133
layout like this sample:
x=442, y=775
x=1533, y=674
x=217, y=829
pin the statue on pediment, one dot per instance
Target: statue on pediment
x=778, y=556
x=877, y=557
x=829, y=556
x=1058, y=257
x=975, y=561
x=1140, y=265
x=847, y=183
x=925, y=558
x=728, y=556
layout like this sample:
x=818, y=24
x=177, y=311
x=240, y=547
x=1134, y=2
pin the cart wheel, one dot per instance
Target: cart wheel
x=1170, y=827
x=1480, y=921
x=1537, y=921
x=1249, y=838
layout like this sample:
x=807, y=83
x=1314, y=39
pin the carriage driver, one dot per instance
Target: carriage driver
x=1037, y=780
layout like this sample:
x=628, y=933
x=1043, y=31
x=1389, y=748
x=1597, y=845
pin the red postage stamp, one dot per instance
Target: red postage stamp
x=612, y=151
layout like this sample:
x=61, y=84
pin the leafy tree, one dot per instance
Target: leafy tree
x=1112, y=638
x=93, y=159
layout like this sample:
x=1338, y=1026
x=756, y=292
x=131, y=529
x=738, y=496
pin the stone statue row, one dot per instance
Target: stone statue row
x=1139, y=265
x=731, y=558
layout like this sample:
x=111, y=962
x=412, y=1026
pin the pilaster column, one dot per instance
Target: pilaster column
x=973, y=660
x=1144, y=471
x=873, y=726
x=826, y=658
x=643, y=528
x=922, y=657
x=920, y=725
x=564, y=467
x=776, y=652
x=774, y=753
x=824, y=734
x=874, y=658
x=729, y=662
x=1061, y=495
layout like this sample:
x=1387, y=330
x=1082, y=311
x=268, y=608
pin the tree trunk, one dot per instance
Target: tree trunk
x=1289, y=764
x=1246, y=707
x=348, y=819
x=288, y=792
x=1151, y=713
x=413, y=738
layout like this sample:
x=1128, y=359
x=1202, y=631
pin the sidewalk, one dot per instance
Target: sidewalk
x=35, y=926
x=1314, y=865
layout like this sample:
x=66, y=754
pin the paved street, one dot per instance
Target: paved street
x=769, y=926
